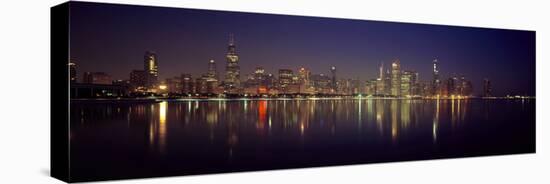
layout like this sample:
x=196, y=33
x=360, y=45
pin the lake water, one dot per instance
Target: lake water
x=116, y=140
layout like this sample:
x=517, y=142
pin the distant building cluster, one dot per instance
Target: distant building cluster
x=390, y=82
x=396, y=82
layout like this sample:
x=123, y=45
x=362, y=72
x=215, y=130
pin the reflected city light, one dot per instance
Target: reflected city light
x=394, y=109
x=162, y=112
x=302, y=128
x=162, y=125
x=435, y=123
x=369, y=126
x=262, y=112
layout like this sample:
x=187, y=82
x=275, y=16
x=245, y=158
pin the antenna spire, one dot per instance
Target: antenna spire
x=231, y=39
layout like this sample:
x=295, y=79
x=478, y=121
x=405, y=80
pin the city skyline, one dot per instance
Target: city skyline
x=156, y=91
x=190, y=52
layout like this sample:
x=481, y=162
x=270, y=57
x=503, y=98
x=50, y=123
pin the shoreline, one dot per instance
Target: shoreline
x=159, y=99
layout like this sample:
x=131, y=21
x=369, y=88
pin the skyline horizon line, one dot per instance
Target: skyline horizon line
x=208, y=61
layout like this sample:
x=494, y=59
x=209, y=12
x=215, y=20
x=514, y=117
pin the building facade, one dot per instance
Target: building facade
x=150, y=62
x=96, y=78
x=436, y=82
x=396, y=78
x=138, y=80
x=232, y=70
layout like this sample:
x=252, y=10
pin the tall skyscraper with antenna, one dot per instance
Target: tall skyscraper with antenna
x=436, y=82
x=333, y=79
x=232, y=69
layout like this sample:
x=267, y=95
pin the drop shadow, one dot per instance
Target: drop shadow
x=45, y=171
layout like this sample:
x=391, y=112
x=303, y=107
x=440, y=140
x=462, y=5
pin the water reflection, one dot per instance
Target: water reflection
x=206, y=134
x=157, y=127
x=435, y=120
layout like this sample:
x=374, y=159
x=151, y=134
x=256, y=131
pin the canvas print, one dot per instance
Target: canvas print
x=157, y=91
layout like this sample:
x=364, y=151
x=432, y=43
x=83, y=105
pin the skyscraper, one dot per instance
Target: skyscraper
x=487, y=88
x=187, y=84
x=381, y=81
x=255, y=81
x=387, y=82
x=321, y=83
x=232, y=69
x=381, y=70
x=436, y=82
x=259, y=76
x=138, y=79
x=151, y=68
x=454, y=85
x=464, y=86
x=285, y=77
x=407, y=83
x=212, y=71
x=303, y=76
x=333, y=84
x=304, y=81
x=396, y=78
x=72, y=72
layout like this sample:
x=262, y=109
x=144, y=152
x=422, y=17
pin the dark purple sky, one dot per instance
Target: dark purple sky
x=113, y=39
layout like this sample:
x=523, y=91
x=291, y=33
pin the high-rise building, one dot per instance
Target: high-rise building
x=387, y=82
x=303, y=76
x=355, y=87
x=415, y=84
x=333, y=84
x=138, y=79
x=173, y=85
x=304, y=81
x=407, y=83
x=96, y=78
x=256, y=79
x=270, y=81
x=464, y=86
x=232, y=69
x=452, y=86
x=201, y=85
x=256, y=82
x=321, y=83
x=187, y=82
x=285, y=77
x=487, y=88
x=211, y=78
x=72, y=72
x=380, y=81
x=425, y=88
x=260, y=76
x=456, y=85
x=380, y=84
x=436, y=82
x=371, y=87
x=212, y=71
x=151, y=68
x=396, y=78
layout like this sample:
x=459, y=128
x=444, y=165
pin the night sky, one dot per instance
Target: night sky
x=113, y=39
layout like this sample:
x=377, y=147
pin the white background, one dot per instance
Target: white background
x=24, y=93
